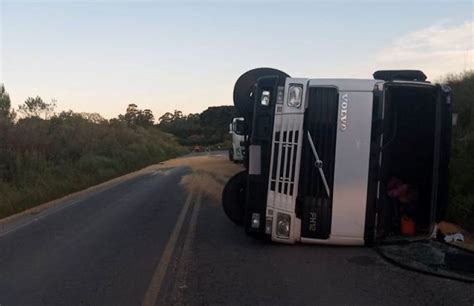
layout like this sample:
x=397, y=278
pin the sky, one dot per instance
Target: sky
x=100, y=56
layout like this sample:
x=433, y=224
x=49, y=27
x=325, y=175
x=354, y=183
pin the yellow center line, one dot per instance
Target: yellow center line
x=185, y=258
x=153, y=291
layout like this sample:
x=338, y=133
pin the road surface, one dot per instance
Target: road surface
x=160, y=237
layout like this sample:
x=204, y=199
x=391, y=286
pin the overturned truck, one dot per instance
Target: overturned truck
x=341, y=161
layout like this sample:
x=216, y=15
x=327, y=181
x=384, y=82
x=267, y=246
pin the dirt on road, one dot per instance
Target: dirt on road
x=209, y=173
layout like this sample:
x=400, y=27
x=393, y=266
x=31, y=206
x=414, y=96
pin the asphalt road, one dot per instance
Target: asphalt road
x=150, y=241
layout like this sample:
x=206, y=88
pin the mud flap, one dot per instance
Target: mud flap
x=431, y=257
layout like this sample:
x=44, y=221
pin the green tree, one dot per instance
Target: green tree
x=178, y=114
x=6, y=113
x=167, y=118
x=6, y=125
x=130, y=115
x=134, y=116
x=462, y=86
x=5, y=103
x=93, y=117
x=208, y=128
x=145, y=118
x=36, y=107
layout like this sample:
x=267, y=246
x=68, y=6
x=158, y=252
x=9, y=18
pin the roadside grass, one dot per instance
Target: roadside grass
x=36, y=176
x=55, y=183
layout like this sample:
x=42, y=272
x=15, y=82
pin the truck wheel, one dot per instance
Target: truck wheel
x=233, y=197
x=231, y=155
x=245, y=86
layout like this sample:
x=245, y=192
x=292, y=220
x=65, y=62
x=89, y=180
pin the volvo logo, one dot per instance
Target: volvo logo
x=343, y=112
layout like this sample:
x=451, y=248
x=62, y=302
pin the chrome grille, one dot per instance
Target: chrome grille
x=285, y=146
x=314, y=202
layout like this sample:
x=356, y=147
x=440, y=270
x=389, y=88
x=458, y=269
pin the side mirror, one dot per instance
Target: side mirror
x=230, y=128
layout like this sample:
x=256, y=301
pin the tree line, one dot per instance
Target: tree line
x=209, y=128
x=45, y=155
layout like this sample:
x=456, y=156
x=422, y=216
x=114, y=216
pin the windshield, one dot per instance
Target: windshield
x=239, y=127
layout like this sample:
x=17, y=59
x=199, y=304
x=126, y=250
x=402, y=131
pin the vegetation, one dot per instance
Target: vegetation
x=461, y=201
x=209, y=128
x=45, y=155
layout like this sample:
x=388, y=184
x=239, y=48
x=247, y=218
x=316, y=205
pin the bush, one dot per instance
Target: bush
x=461, y=197
x=208, y=128
x=45, y=159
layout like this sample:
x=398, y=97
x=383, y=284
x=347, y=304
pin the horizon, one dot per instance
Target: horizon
x=100, y=57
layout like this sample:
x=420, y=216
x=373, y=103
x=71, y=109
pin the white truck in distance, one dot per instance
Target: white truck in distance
x=236, y=130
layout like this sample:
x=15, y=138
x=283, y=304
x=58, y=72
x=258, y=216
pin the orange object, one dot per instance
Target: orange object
x=407, y=226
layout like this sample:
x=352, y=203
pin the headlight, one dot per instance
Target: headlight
x=295, y=95
x=265, y=99
x=255, y=220
x=283, y=225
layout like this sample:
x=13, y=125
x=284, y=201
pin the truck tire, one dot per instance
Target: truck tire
x=245, y=86
x=231, y=155
x=233, y=197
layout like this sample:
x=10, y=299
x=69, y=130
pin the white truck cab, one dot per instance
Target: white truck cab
x=341, y=161
x=236, y=130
